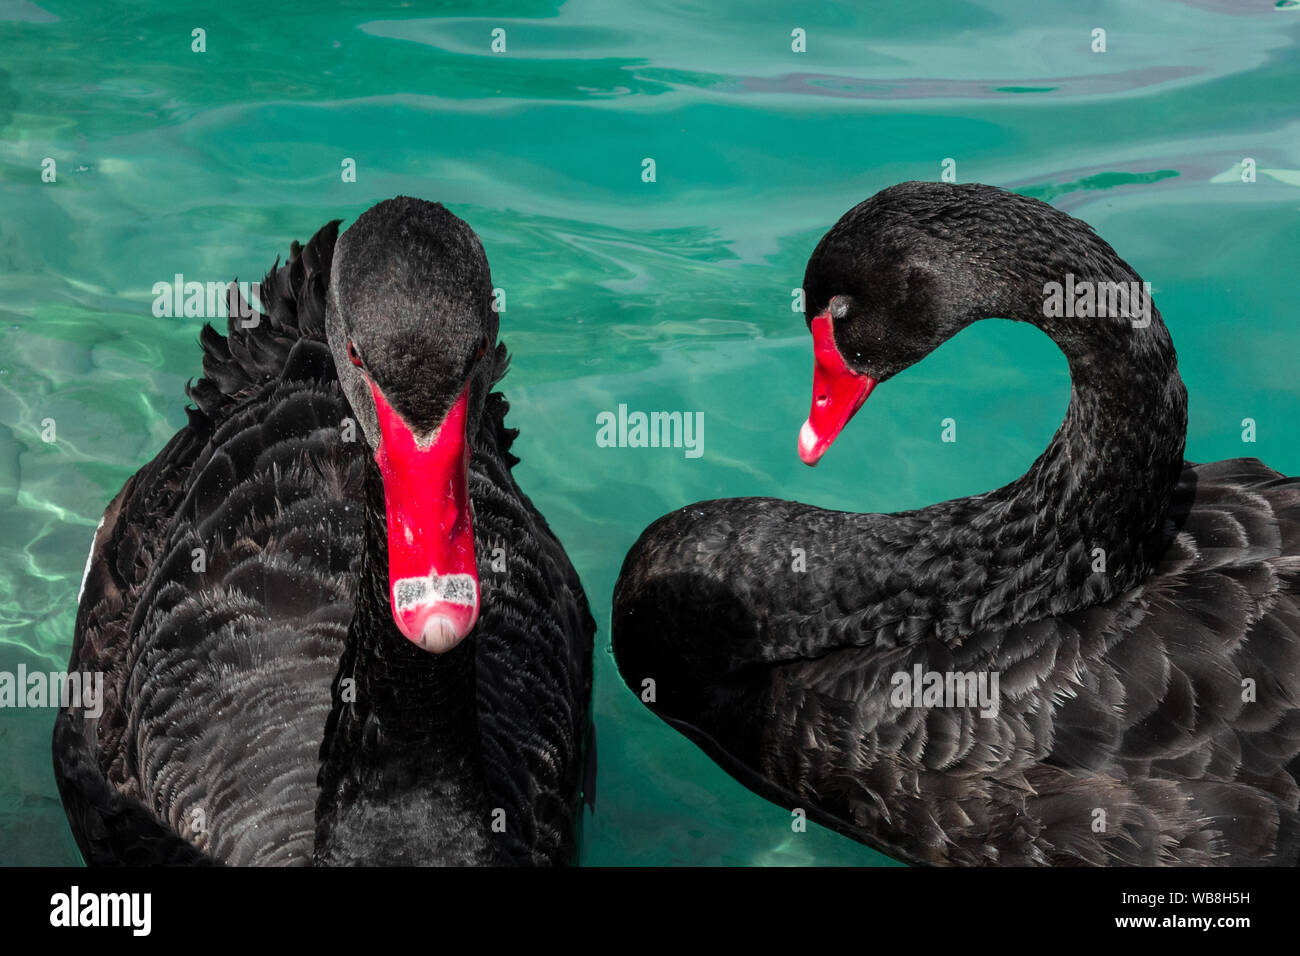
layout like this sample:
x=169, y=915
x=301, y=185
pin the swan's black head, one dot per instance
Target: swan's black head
x=893, y=280
x=411, y=292
x=410, y=322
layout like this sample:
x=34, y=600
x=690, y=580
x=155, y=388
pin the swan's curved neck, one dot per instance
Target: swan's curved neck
x=401, y=775
x=1086, y=521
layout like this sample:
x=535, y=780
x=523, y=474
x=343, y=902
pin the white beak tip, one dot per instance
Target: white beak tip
x=808, y=445
x=439, y=635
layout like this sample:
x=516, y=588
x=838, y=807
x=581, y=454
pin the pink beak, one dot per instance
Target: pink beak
x=838, y=393
x=432, y=574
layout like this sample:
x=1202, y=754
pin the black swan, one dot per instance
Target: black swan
x=1141, y=613
x=332, y=627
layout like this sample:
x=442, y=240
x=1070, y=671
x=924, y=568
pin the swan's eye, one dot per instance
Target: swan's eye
x=839, y=307
x=353, y=357
x=482, y=348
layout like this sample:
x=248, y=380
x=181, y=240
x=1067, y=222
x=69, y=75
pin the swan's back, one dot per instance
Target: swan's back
x=217, y=601
x=1191, y=705
x=1162, y=727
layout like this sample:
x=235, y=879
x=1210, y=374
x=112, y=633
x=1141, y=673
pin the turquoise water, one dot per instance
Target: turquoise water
x=665, y=295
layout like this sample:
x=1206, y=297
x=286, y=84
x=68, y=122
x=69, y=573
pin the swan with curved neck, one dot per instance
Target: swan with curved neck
x=345, y=678
x=1124, y=694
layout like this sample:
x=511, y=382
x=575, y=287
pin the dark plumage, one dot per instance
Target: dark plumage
x=1127, y=729
x=263, y=708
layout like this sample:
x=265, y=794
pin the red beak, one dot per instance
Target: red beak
x=432, y=575
x=838, y=393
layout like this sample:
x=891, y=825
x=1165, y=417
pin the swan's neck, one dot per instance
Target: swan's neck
x=401, y=777
x=1086, y=522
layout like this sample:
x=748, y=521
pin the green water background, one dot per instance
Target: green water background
x=671, y=295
